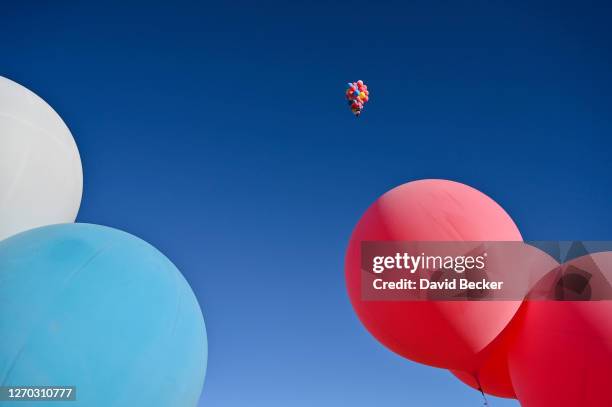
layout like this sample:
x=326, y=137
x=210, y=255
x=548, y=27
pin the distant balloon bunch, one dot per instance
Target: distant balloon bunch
x=539, y=349
x=83, y=305
x=357, y=95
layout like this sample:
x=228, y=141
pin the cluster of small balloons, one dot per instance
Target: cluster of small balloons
x=357, y=95
x=540, y=350
x=80, y=304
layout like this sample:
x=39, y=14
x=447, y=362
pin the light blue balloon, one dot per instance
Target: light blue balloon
x=93, y=307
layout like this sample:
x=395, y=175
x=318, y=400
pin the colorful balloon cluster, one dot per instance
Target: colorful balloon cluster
x=83, y=305
x=543, y=352
x=357, y=95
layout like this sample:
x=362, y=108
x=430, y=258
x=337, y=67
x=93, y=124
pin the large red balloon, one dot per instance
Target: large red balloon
x=562, y=355
x=448, y=334
x=492, y=374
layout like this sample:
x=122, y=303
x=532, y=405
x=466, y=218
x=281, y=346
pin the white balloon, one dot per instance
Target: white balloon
x=41, y=178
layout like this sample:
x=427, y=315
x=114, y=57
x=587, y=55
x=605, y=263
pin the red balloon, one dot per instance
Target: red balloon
x=491, y=374
x=448, y=334
x=562, y=354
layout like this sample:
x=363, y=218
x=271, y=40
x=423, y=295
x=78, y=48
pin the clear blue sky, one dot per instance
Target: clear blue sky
x=219, y=133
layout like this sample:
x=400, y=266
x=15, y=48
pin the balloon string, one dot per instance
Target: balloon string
x=484, y=397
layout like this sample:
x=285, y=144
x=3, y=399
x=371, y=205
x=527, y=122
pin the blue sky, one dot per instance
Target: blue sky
x=218, y=132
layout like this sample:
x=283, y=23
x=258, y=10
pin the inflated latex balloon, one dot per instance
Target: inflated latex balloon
x=562, y=353
x=96, y=308
x=41, y=178
x=491, y=374
x=448, y=334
